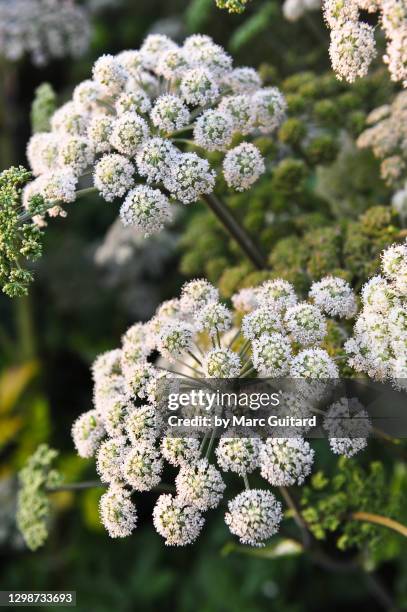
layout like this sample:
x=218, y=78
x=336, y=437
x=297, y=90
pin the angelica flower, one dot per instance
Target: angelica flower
x=69, y=120
x=152, y=49
x=155, y=159
x=199, y=87
x=180, y=451
x=113, y=176
x=178, y=523
x=347, y=416
x=129, y=132
x=238, y=454
x=133, y=102
x=277, y=294
x=197, y=294
x=286, y=461
x=352, y=50
x=109, y=74
x=313, y=363
x=306, y=323
x=189, y=178
x=147, y=209
x=117, y=512
x=141, y=424
x=271, y=354
x=261, y=321
x=240, y=110
x=175, y=339
x=243, y=80
x=254, y=516
x=87, y=433
x=76, y=153
x=42, y=152
x=269, y=106
x=214, y=130
x=334, y=296
x=169, y=114
x=200, y=485
x=142, y=466
x=221, y=363
x=100, y=132
x=214, y=318
x=172, y=64
x=242, y=166
x=109, y=459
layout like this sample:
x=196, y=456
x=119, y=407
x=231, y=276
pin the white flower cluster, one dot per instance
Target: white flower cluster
x=353, y=44
x=379, y=342
x=198, y=337
x=386, y=135
x=145, y=122
x=43, y=29
x=293, y=10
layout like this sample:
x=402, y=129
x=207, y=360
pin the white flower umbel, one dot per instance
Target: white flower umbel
x=254, y=516
x=263, y=320
x=117, y=512
x=134, y=102
x=286, y=461
x=110, y=457
x=190, y=339
x=313, y=363
x=197, y=294
x=199, y=87
x=243, y=80
x=221, y=363
x=241, y=111
x=334, y=296
x=75, y=153
x=306, y=323
x=42, y=152
x=352, y=50
x=277, y=294
x=113, y=176
x=87, y=433
x=175, y=338
x=129, y=133
x=169, y=114
x=141, y=424
x=379, y=343
x=214, y=318
x=99, y=133
x=135, y=120
x=155, y=158
x=177, y=523
x=109, y=74
x=347, y=416
x=272, y=354
x=147, y=209
x=213, y=130
x=200, y=485
x=238, y=454
x=189, y=178
x=134, y=345
x=269, y=107
x=242, y=166
x=180, y=451
x=142, y=466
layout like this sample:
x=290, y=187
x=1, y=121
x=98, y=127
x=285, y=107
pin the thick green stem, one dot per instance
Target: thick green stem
x=236, y=231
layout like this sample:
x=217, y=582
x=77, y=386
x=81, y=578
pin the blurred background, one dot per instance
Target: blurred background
x=323, y=208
